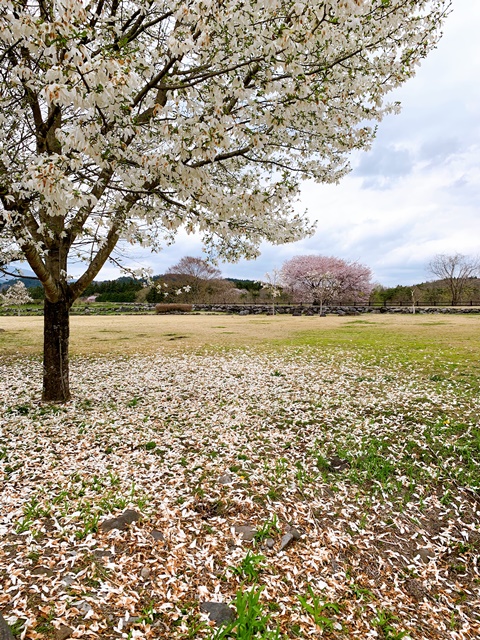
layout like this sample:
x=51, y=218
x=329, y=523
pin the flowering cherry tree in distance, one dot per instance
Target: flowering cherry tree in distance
x=126, y=120
x=16, y=294
x=323, y=279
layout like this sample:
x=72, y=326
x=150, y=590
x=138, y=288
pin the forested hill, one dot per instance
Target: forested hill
x=123, y=289
x=248, y=285
x=128, y=289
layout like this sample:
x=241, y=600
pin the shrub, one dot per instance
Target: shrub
x=173, y=308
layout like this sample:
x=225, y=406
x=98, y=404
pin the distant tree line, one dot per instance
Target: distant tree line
x=434, y=293
x=123, y=289
x=312, y=279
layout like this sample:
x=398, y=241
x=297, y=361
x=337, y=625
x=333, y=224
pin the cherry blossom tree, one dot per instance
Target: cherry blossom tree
x=320, y=280
x=126, y=120
x=15, y=295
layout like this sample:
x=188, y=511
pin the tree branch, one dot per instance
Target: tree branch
x=153, y=83
x=52, y=292
x=76, y=224
x=219, y=157
x=134, y=34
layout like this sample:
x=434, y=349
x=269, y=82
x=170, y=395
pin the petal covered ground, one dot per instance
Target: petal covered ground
x=359, y=483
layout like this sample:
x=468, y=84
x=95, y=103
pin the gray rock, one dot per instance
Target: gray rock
x=68, y=580
x=157, y=535
x=5, y=633
x=246, y=531
x=145, y=573
x=270, y=543
x=426, y=555
x=219, y=612
x=63, y=632
x=42, y=571
x=130, y=515
x=225, y=479
x=113, y=523
x=295, y=532
x=103, y=553
x=121, y=522
x=336, y=464
x=286, y=540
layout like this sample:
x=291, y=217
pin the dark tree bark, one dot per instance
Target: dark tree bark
x=56, y=335
x=5, y=633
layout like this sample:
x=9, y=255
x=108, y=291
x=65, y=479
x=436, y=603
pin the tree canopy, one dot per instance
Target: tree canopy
x=326, y=279
x=455, y=270
x=130, y=119
x=195, y=268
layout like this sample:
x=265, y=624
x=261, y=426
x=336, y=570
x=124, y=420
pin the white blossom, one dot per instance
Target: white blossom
x=16, y=294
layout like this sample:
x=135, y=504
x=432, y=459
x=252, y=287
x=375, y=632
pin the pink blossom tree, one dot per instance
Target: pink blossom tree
x=322, y=280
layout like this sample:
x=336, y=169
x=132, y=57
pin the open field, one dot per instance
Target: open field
x=145, y=334
x=349, y=448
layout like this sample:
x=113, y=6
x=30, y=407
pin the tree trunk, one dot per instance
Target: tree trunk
x=56, y=332
x=5, y=632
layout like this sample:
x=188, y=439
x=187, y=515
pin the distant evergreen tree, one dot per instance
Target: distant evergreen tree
x=37, y=293
x=122, y=289
x=248, y=285
x=154, y=296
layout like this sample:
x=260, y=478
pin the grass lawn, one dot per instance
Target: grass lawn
x=92, y=335
x=320, y=476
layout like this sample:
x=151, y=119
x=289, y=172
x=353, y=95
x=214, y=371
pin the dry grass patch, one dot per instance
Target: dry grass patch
x=145, y=334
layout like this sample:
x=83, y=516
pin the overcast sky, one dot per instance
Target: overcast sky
x=414, y=194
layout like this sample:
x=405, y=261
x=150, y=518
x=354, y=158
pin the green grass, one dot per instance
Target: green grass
x=385, y=621
x=407, y=345
x=250, y=567
x=319, y=609
x=252, y=621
